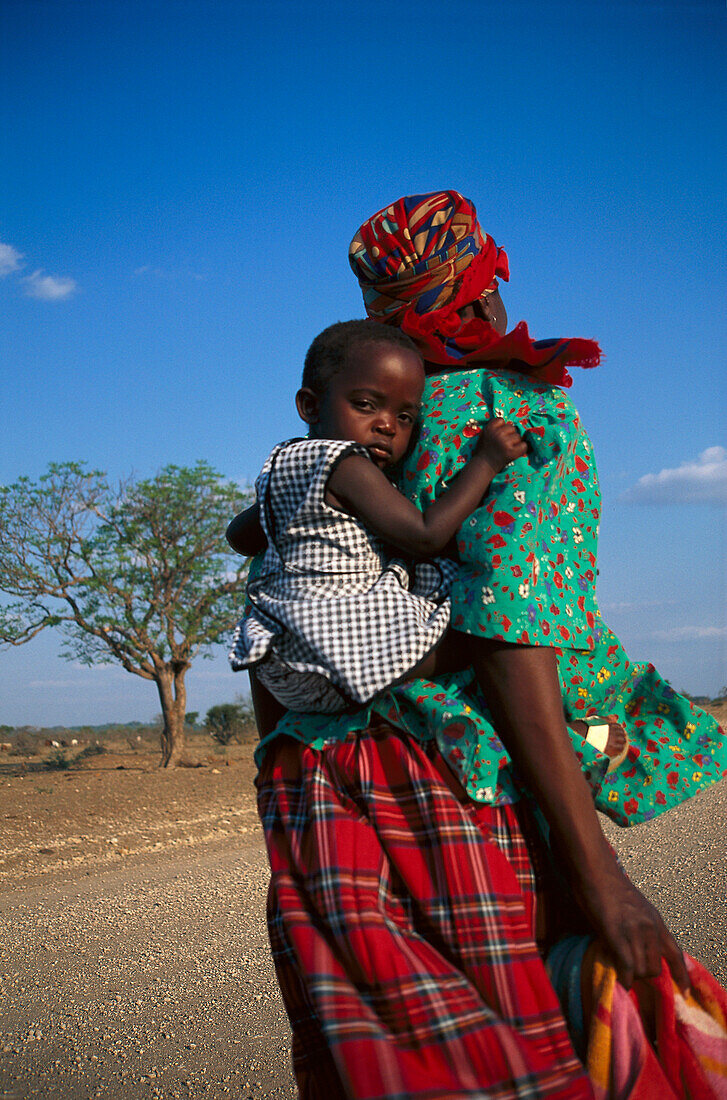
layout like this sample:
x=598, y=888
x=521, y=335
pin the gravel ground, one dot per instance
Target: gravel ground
x=678, y=861
x=133, y=952
x=133, y=955
x=152, y=979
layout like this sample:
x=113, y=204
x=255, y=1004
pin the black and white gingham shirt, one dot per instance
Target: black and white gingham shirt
x=329, y=599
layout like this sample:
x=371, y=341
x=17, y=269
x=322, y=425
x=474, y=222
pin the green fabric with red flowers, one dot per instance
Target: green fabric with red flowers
x=527, y=576
x=528, y=554
x=528, y=572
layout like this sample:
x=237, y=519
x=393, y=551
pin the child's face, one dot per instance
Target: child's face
x=374, y=400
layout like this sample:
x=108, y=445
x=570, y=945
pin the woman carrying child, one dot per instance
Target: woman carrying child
x=413, y=890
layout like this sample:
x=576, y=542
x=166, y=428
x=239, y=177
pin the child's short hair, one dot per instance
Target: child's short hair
x=328, y=353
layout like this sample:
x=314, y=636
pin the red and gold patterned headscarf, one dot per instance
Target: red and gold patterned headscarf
x=424, y=258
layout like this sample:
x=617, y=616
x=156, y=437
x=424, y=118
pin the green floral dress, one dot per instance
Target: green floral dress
x=527, y=576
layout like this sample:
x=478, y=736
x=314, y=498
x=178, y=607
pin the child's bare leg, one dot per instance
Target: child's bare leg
x=450, y=655
x=522, y=687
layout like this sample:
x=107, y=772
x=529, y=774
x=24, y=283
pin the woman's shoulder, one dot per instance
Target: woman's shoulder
x=496, y=387
x=456, y=405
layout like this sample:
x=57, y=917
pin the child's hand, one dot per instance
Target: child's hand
x=500, y=443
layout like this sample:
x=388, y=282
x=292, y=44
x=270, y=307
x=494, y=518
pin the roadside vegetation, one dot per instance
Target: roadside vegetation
x=59, y=748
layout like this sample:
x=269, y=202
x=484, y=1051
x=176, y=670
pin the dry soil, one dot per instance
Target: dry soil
x=133, y=956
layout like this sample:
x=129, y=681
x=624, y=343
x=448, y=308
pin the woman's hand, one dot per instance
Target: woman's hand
x=500, y=443
x=630, y=928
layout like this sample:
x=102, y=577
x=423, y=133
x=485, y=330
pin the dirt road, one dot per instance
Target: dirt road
x=133, y=950
x=152, y=979
x=133, y=953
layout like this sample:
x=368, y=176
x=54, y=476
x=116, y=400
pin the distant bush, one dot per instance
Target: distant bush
x=26, y=744
x=95, y=749
x=58, y=761
x=228, y=721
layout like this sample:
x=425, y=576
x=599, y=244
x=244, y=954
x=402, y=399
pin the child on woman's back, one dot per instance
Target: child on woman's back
x=334, y=616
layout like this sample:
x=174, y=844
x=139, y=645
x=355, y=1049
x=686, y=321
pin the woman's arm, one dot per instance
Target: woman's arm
x=245, y=534
x=522, y=687
x=361, y=488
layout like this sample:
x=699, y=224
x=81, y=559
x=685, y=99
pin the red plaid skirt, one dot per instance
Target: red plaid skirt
x=401, y=923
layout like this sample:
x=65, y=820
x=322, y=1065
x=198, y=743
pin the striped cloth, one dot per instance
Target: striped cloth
x=401, y=923
x=420, y=252
x=688, y=1058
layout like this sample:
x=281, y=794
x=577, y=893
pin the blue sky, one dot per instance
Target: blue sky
x=181, y=179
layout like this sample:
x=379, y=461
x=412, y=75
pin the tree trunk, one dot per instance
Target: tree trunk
x=173, y=697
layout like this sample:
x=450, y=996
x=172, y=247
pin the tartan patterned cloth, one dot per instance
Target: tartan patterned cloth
x=401, y=923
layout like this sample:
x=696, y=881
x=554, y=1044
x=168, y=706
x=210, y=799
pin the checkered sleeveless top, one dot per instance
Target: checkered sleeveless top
x=329, y=598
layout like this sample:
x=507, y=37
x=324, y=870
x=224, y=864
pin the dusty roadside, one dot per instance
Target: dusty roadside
x=133, y=950
x=679, y=861
x=133, y=954
x=151, y=979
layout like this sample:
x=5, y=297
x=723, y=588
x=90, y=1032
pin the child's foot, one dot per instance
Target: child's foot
x=606, y=735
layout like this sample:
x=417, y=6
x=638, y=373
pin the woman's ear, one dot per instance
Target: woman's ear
x=308, y=404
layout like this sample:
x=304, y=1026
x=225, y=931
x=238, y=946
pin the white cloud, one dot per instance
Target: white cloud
x=703, y=481
x=10, y=259
x=689, y=633
x=49, y=288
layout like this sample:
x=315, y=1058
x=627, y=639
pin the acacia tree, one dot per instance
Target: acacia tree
x=140, y=575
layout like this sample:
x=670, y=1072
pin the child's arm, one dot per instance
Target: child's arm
x=245, y=535
x=361, y=488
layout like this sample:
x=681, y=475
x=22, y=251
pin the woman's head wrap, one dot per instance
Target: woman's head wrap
x=424, y=258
